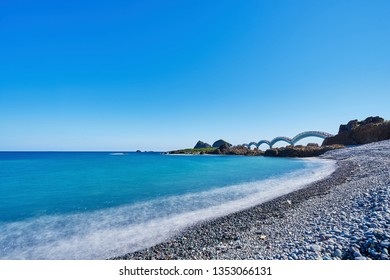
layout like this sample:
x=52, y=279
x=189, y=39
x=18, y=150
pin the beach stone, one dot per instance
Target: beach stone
x=316, y=248
x=295, y=257
x=326, y=236
x=262, y=237
x=338, y=253
x=330, y=248
x=353, y=249
x=384, y=257
x=356, y=254
x=318, y=257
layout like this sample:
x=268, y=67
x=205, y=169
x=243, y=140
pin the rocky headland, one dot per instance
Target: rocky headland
x=311, y=150
x=372, y=129
x=355, y=132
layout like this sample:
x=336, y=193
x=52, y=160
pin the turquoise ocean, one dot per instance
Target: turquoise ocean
x=97, y=205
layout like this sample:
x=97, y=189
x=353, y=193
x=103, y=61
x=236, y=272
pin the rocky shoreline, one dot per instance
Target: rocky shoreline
x=345, y=216
x=311, y=150
x=371, y=129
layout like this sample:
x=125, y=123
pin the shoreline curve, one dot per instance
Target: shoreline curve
x=322, y=221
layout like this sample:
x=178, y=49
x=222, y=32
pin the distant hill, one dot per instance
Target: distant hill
x=220, y=142
x=202, y=145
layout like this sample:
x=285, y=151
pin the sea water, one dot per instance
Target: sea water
x=97, y=205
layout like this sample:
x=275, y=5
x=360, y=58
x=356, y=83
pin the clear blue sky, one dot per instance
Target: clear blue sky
x=160, y=75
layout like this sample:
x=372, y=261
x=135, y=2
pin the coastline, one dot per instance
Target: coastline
x=344, y=216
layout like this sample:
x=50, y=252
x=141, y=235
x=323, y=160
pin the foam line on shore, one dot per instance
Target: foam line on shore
x=344, y=216
x=107, y=233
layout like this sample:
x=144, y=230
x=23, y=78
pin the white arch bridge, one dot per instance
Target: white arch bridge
x=290, y=141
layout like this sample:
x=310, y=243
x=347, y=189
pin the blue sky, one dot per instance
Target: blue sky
x=161, y=75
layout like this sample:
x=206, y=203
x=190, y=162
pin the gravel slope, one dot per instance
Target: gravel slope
x=345, y=216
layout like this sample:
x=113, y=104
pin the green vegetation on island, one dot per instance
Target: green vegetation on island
x=194, y=151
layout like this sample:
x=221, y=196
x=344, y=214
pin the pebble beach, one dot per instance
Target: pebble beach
x=344, y=216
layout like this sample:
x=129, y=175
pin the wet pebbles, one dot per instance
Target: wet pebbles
x=345, y=216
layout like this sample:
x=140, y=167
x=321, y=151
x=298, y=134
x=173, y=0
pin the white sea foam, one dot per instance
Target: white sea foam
x=115, y=231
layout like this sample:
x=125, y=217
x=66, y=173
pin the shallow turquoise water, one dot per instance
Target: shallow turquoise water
x=99, y=204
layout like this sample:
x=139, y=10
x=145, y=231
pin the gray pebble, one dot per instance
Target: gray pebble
x=338, y=253
x=316, y=247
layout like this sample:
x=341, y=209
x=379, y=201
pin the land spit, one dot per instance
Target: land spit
x=344, y=216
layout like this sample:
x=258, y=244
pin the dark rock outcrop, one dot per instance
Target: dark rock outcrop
x=355, y=132
x=312, y=145
x=201, y=145
x=224, y=148
x=300, y=151
x=271, y=153
x=220, y=142
x=236, y=150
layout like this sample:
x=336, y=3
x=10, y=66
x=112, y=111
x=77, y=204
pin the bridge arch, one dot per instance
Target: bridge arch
x=306, y=134
x=281, y=138
x=290, y=141
x=263, y=142
x=252, y=144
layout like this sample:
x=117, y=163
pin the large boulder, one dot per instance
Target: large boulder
x=372, y=129
x=220, y=142
x=271, y=153
x=201, y=145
